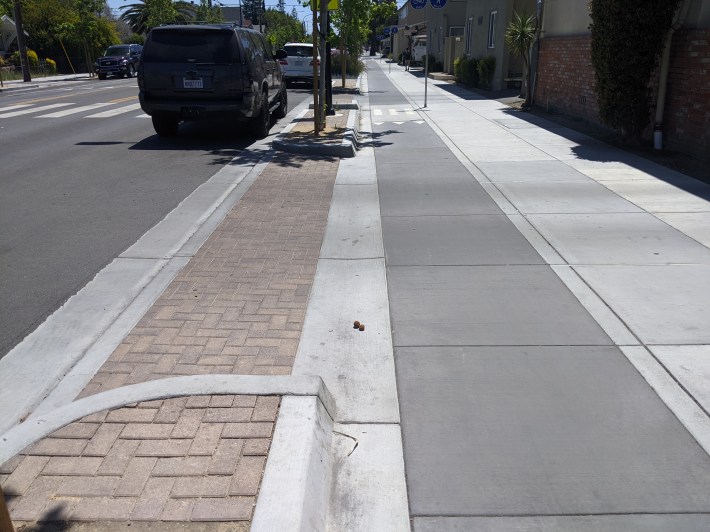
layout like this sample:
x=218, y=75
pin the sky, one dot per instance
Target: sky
x=304, y=13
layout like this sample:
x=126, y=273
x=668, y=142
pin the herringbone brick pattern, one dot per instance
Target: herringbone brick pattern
x=239, y=305
x=237, y=308
x=184, y=459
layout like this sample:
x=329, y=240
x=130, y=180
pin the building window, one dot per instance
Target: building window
x=492, y=29
x=469, y=31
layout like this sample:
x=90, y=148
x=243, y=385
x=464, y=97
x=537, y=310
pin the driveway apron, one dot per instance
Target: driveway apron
x=517, y=409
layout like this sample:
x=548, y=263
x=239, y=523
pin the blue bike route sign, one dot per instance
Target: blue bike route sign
x=418, y=4
x=438, y=4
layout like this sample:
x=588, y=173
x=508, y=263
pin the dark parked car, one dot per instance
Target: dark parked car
x=194, y=72
x=119, y=60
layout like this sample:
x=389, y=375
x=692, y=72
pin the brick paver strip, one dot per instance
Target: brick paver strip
x=237, y=307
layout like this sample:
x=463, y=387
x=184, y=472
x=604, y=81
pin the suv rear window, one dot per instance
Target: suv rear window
x=190, y=46
x=299, y=51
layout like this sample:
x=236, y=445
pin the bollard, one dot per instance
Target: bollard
x=5, y=522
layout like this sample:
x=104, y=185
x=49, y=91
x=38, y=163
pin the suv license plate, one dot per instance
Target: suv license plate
x=192, y=83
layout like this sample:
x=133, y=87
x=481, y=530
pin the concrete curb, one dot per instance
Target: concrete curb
x=347, y=147
x=16, y=85
x=296, y=486
x=36, y=428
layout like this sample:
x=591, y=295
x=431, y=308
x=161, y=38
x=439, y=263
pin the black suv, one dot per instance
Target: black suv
x=193, y=72
x=119, y=60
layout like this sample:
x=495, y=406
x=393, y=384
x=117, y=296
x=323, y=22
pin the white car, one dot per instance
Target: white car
x=419, y=49
x=298, y=65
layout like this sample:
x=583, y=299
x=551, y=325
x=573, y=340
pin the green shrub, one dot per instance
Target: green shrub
x=457, y=68
x=466, y=71
x=32, y=58
x=135, y=38
x=434, y=64
x=486, y=67
x=51, y=65
x=353, y=65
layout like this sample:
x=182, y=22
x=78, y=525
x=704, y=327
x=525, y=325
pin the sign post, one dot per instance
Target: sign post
x=421, y=4
x=316, y=114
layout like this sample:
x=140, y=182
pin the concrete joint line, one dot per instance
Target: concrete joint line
x=676, y=398
x=38, y=427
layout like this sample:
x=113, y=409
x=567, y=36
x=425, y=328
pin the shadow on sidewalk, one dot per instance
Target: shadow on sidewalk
x=643, y=158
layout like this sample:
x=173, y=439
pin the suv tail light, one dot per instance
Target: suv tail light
x=317, y=62
x=283, y=61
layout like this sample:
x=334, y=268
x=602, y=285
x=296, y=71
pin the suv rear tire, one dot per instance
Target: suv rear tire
x=101, y=76
x=165, y=125
x=262, y=122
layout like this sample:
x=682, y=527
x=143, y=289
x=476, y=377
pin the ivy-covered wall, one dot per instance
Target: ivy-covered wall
x=565, y=84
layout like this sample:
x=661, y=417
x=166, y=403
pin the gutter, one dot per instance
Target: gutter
x=663, y=77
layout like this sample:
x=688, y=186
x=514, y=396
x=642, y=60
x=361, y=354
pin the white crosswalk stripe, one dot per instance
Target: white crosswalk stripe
x=14, y=107
x=75, y=110
x=377, y=112
x=117, y=111
x=33, y=110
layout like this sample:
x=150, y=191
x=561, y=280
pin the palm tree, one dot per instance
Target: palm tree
x=519, y=36
x=146, y=14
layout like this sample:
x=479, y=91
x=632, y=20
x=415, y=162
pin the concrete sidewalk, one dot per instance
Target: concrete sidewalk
x=547, y=346
x=550, y=322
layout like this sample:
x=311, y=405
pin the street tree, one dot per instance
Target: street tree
x=254, y=9
x=519, y=36
x=282, y=28
x=206, y=12
x=143, y=16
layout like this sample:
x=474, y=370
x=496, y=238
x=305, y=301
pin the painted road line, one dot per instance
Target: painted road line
x=74, y=110
x=117, y=111
x=15, y=107
x=34, y=110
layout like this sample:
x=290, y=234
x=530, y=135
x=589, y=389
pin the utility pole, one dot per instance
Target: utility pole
x=21, y=44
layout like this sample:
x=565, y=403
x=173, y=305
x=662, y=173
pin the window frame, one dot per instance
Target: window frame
x=492, y=19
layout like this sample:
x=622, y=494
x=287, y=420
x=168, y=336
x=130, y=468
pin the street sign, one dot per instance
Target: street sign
x=333, y=5
x=395, y=29
x=418, y=4
x=386, y=31
x=438, y=4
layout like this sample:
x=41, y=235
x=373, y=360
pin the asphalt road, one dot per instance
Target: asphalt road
x=79, y=186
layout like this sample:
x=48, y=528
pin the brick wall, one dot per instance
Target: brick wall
x=687, y=114
x=566, y=84
x=565, y=81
